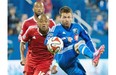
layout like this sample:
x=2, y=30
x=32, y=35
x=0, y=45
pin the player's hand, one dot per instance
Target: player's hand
x=77, y=44
x=48, y=73
x=70, y=39
x=54, y=69
x=22, y=61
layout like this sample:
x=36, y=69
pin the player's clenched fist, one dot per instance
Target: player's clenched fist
x=22, y=61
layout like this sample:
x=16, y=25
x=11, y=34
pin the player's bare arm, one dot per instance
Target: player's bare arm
x=22, y=48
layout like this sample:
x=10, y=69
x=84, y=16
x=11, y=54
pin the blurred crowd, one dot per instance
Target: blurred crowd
x=98, y=21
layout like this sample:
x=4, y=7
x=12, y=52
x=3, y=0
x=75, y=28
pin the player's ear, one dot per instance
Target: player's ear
x=37, y=23
x=33, y=9
x=72, y=17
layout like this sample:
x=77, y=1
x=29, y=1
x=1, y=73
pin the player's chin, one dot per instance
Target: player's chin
x=44, y=28
x=39, y=12
x=67, y=25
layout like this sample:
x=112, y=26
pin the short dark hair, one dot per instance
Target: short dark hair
x=65, y=9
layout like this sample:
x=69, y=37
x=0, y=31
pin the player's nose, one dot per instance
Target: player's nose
x=44, y=24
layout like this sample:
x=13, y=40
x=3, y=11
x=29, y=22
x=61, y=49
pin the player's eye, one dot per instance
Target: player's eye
x=46, y=21
x=36, y=6
x=41, y=21
x=69, y=17
x=64, y=17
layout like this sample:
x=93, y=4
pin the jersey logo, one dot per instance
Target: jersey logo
x=75, y=30
x=63, y=33
x=34, y=37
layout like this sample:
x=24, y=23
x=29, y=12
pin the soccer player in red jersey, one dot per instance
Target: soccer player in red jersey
x=38, y=58
x=38, y=9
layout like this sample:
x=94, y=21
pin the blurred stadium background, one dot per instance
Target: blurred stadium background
x=93, y=15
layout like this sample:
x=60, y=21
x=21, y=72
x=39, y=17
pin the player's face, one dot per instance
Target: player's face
x=38, y=8
x=43, y=23
x=66, y=19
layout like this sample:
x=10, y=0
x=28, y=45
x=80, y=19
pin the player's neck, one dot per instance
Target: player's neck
x=35, y=16
x=44, y=33
x=66, y=27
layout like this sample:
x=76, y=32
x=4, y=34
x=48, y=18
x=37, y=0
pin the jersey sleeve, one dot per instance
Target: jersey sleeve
x=52, y=33
x=23, y=30
x=52, y=23
x=26, y=36
x=84, y=35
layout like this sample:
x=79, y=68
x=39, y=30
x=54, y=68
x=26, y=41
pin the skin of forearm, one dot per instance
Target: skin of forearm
x=22, y=48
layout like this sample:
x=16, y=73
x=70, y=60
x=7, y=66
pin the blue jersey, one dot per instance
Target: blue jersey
x=68, y=57
x=75, y=31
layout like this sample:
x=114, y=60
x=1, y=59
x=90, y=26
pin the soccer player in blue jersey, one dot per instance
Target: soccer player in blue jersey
x=70, y=32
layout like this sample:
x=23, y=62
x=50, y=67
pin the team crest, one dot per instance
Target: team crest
x=63, y=33
x=34, y=37
x=75, y=30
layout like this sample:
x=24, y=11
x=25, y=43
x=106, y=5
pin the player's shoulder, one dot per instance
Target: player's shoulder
x=76, y=24
x=29, y=20
x=32, y=28
x=58, y=25
x=51, y=20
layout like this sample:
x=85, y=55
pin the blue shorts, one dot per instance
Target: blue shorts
x=75, y=69
x=69, y=62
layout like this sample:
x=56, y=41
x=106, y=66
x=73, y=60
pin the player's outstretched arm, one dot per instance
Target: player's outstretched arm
x=24, y=39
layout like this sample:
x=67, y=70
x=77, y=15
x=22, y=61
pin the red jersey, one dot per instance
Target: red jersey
x=31, y=22
x=37, y=51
